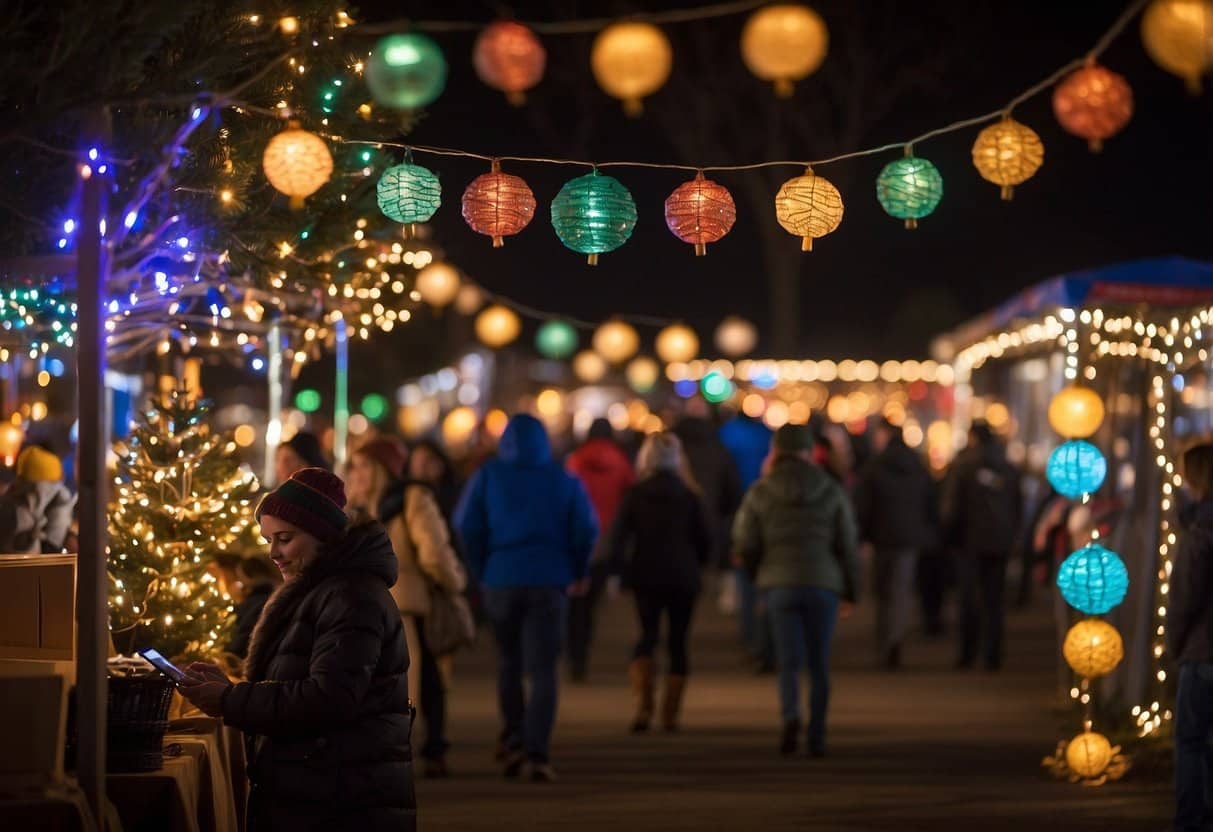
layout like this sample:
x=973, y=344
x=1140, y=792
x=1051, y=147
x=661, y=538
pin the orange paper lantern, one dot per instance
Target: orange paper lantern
x=509, y=57
x=700, y=212
x=1093, y=103
x=498, y=205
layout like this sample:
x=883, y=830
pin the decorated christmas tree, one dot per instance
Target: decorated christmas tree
x=180, y=498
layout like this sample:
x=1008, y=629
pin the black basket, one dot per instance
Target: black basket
x=137, y=713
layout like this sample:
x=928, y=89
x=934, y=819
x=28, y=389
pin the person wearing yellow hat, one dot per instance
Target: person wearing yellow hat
x=36, y=512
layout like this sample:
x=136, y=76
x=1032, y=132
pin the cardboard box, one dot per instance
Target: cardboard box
x=37, y=607
x=33, y=723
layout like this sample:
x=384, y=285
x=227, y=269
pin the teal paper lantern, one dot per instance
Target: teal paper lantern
x=1093, y=579
x=593, y=214
x=1076, y=468
x=909, y=189
x=409, y=193
x=406, y=71
x=556, y=340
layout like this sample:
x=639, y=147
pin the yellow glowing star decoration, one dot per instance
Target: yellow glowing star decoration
x=1008, y=153
x=497, y=326
x=589, y=367
x=616, y=341
x=631, y=61
x=642, y=373
x=1093, y=648
x=1178, y=35
x=1076, y=412
x=1088, y=755
x=808, y=206
x=784, y=43
x=297, y=163
x=438, y=284
x=677, y=342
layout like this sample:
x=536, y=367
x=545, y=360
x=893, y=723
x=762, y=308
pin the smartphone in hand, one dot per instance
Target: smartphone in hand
x=162, y=664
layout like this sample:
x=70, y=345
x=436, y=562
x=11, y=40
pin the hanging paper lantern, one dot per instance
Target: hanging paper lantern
x=438, y=284
x=808, y=206
x=784, y=43
x=642, y=374
x=1093, y=579
x=1008, y=153
x=1076, y=468
x=677, y=343
x=700, y=212
x=469, y=300
x=1089, y=754
x=509, y=57
x=1093, y=648
x=589, y=366
x=1076, y=412
x=1178, y=35
x=409, y=193
x=616, y=341
x=1093, y=103
x=297, y=163
x=497, y=326
x=556, y=340
x=631, y=61
x=736, y=336
x=909, y=189
x=498, y=205
x=593, y=214
x=406, y=71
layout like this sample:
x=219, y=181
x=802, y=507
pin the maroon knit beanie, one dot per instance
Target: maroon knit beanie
x=312, y=499
x=389, y=452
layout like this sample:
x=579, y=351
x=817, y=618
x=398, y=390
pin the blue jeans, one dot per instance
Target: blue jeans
x=528, y=623
x=1194, y=748
x=803, y=619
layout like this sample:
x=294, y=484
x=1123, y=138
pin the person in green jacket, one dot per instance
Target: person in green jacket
x=795, y=534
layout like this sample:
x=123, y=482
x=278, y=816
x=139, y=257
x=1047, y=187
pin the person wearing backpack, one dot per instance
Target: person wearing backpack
x=981, y=508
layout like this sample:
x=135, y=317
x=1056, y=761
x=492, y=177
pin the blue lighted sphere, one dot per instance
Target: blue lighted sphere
x=1076, y=468
x=1093, y=579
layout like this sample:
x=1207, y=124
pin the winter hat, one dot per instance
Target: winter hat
x=389, y=452
x=600, y=429
x=307, y=446
x=793, y=439
x=36, y=464
x=660, y=452
x=312, y=499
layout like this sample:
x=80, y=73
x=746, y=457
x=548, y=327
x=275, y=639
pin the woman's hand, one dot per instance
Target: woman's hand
x=204, y=685
x=206, y=671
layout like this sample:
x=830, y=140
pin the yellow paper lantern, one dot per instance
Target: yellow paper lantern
x=736, y=336
x=589, y=366
x=438, y=284
x=1076, y=412
x=616, y=341
x=631, y=61
x=808, y=206
x=676, y=343
x=784, y=43
x=469, y=300
x=297, y=163
x=1178, y=35
x=1008, y=153
x=642, y=373
x=1093, y=648
x=497, y=326
x=1089, y=754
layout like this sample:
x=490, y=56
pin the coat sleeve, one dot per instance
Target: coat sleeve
x=427, y=529
x=584, y=529
x=747, y=532
x=471, y=519
x=1189, y=588
x=846, y=543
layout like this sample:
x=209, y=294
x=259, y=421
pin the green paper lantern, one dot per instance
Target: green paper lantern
x=307, y=400
x=556, y=340
x=406, y=71
x=409, y=193
x=593, y=214
x=909, y=189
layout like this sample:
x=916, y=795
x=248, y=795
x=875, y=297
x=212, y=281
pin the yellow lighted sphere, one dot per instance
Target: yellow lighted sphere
x=589, y=366
x=1076, y=412
x=497, y=326
x=459, y=425
x=438, y=284
x=616, y=341
x=1008, y=153
x=736, y=336
x=297, y=163
x=642, y=374
x=11, y=437
x=784, y=43
x=1178, y=35
x=1093, y=648
x=550, y=403
x=495, y=422
x=631, y=61
x=677, y=343
x=469, y=300
x=245, y=436
x=808, y=206
x=1089, y=754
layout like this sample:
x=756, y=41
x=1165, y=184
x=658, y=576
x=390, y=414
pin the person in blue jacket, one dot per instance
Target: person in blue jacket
x=528, y=529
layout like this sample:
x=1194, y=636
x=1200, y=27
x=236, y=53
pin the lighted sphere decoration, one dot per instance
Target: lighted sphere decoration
x=409, y=193
x=1178, y=35
x=509, y=57
x=556, y=340
x=631, y=61
x=469, y=300
x=642, y=374
x=1093, y=103
x=406, y=71
x=438, y=284
x=1089, y=754
x=498, y=205
x=784, y=43
x=1076, y=468
x=616, y=341
x=808, y=206
x=497, y=326
x=1093, y=579
x=593, y=214
x=909, y=189
x=700, y=212
x=736, y=336
x=716, y=388
x=589, y=367
x=297, y=163
x=677, y=343
x=1008, y=153
x=1076, y=412
x=1093, y=648
x=11, y=437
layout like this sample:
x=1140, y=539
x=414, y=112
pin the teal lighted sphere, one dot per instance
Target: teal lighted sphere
x=716, y=388
x=556, y=340
x=409, y=193
x=374, y=406
x=593, y=214
x=909, y=188
x=406, y=71
x=1093, y=579
x=307, y=400
x=1076, y=468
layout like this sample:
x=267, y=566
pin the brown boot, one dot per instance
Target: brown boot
x=641, y=674
x=671, y=703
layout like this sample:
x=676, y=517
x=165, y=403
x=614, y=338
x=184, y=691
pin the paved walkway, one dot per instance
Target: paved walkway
x=925, y=749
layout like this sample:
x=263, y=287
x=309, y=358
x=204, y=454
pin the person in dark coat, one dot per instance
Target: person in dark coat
x=714, y=470
x=256, y=583
x=660, y=542
x=325, y=709
x=895, y=508
x=303, y=450
x=1189, y=642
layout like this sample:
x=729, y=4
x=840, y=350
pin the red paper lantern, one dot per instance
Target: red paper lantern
x=1093, y=103
x=509, y=57
x=498, y=205
x=700, y=212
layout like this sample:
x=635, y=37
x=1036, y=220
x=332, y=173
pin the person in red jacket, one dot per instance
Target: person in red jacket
x=607, y=474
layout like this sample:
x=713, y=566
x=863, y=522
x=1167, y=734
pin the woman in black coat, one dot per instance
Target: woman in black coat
x=661, y=539
x=325, y=709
